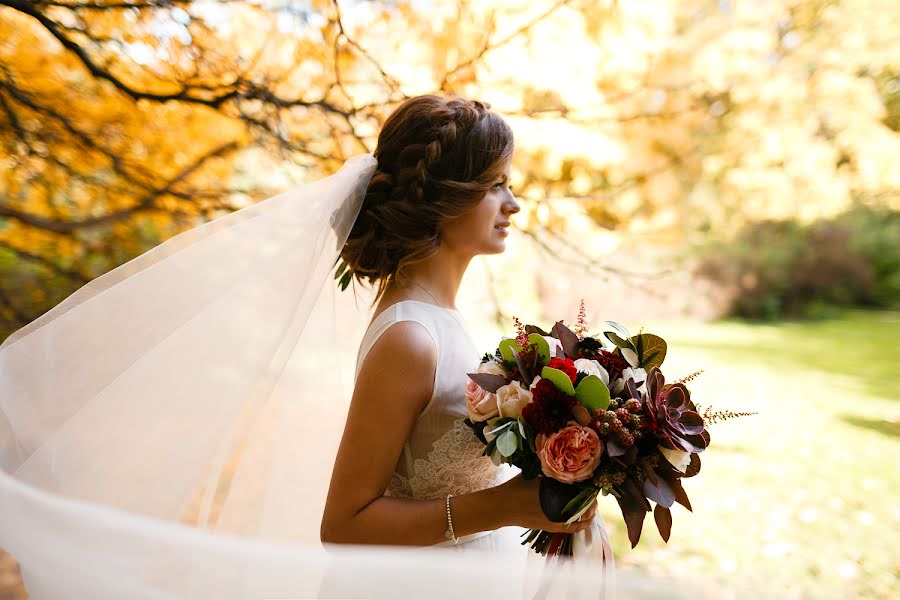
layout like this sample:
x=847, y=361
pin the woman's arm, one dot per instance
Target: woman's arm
x=394, y=385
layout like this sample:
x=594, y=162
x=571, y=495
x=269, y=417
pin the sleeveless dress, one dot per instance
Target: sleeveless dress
x=442, y=455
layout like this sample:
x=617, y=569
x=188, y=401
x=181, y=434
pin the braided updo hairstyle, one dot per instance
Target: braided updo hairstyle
x=437, y=158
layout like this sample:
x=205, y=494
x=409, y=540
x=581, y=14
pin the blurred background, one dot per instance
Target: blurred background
x=724, y=174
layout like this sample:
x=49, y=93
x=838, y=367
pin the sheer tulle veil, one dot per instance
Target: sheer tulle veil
x=168, y=430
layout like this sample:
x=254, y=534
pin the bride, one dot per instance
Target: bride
x=170, y=429
x=414, y=474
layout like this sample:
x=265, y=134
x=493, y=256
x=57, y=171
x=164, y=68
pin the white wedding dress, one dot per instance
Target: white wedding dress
x=442, y=455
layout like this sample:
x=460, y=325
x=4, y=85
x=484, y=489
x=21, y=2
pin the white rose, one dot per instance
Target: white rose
x=592, y=367
x=534, y=383
x=512, y=398
x=678, y=458
x=492, y=368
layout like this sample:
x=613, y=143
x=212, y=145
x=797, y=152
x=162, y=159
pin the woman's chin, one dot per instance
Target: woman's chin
x=497, y=247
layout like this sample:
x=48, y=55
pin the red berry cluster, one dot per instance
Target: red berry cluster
x=622, y=423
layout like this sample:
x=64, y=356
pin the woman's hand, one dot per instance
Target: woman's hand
x=520, y=499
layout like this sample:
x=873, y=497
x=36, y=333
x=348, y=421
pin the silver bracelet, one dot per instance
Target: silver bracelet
x=449, y=533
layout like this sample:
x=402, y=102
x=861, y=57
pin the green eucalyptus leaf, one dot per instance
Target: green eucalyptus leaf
x=618, y=341
x=345, y=280
x=583, y=509
x=559, y=379
x=542, y=346
x=340, y=270
x=577, y=500
x=620, y=329
x=506, y=350
x=592, y=393
x=498, y=427
x=507, y=443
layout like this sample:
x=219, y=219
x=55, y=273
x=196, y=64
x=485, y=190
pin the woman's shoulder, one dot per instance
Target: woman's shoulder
x=402, y=362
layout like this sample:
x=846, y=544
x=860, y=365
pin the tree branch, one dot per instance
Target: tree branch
x=144, y=203
x=59, y=269
x=502, y=42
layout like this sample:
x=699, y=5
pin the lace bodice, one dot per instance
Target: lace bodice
x=442, y=455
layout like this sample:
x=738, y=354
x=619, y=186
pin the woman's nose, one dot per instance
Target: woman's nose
x=511, y=206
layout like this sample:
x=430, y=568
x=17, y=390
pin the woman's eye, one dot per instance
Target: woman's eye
x=499, y=185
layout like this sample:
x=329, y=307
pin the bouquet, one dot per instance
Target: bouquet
x=591, y=415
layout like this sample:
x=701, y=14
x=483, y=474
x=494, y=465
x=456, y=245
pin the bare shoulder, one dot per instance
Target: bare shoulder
x=400, y=365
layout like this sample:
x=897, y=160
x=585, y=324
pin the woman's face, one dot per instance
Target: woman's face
x=483, y=229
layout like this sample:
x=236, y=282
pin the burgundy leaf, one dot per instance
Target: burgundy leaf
x=631, y=456
x=614, y=449
x=567, y=338
x=633, y=392
x=634, y=515
x=660, y=492
x=651, y=474
x=681, y=496
x=535, y=329
x=663, y=517
x=520, y=362
x=631, y=489
x=487, y=381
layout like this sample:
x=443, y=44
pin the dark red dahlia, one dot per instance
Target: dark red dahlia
x=549, y=409
x=566, y=365
x=613, y=364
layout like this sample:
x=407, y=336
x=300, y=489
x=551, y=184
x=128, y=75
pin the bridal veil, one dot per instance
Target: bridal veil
x=168, y=430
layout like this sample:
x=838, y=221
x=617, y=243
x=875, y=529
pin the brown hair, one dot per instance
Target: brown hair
x=437, y=158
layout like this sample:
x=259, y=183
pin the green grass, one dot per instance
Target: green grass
x=801, y=499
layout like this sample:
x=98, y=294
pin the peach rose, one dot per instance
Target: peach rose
x=571, y=454
x=480, y=404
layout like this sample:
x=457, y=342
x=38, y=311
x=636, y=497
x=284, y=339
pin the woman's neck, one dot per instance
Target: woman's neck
x=440, y=274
